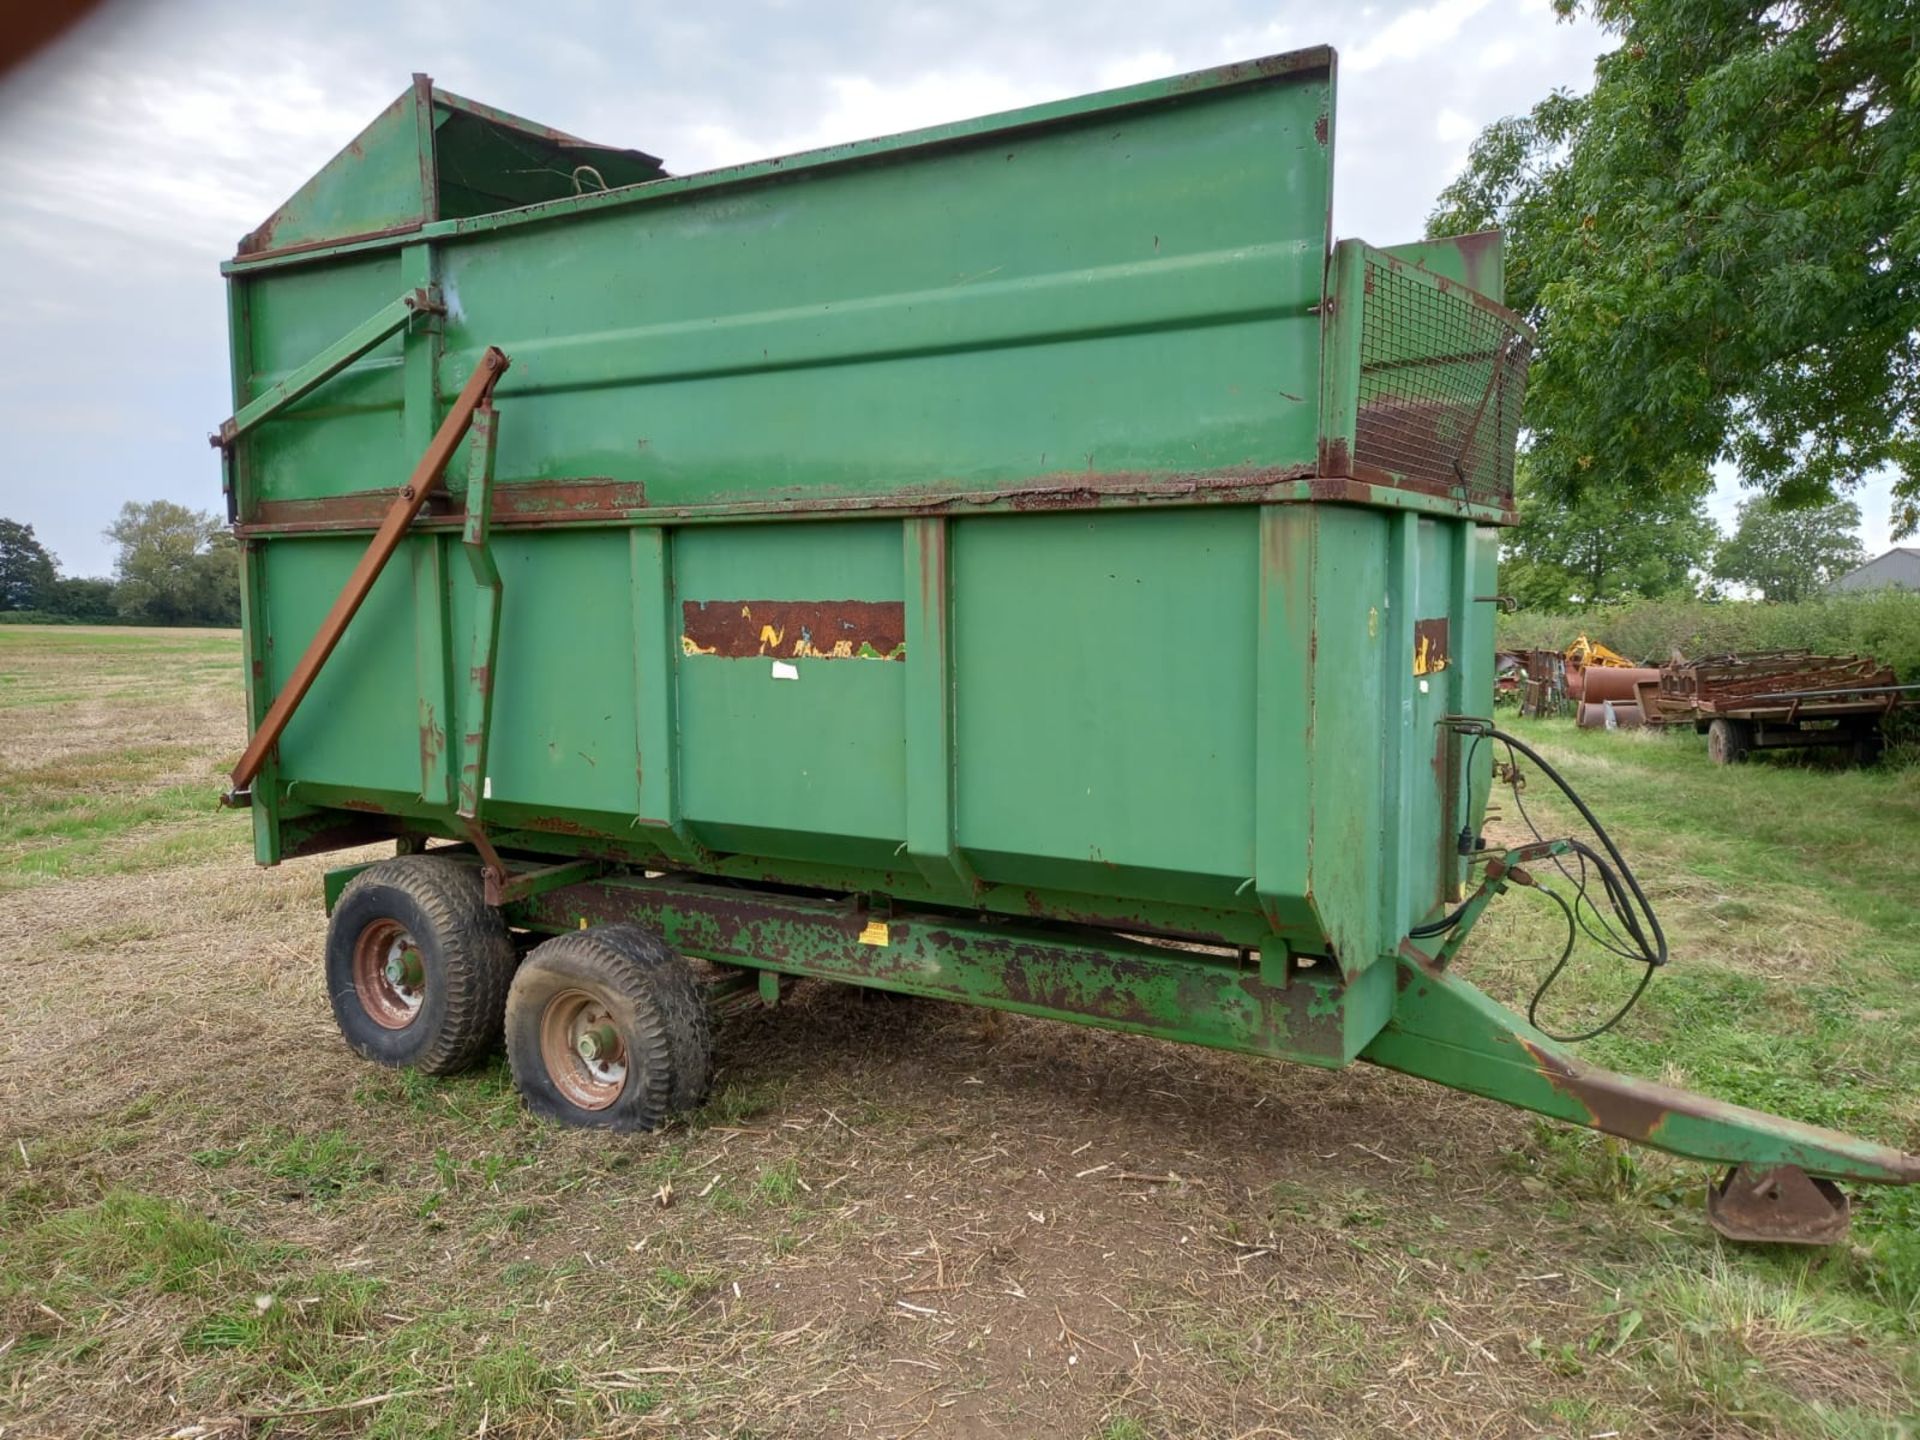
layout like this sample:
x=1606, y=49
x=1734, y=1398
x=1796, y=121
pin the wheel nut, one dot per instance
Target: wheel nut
x=598, y=1043
x=403, y=970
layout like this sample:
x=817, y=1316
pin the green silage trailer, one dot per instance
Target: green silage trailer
x=1024, y=562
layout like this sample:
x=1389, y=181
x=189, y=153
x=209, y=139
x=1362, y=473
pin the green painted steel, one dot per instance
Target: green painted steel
x=1067, y=631
x=1445, y=1030
x=1218, y=999
x=994, y=518
x=433, y=155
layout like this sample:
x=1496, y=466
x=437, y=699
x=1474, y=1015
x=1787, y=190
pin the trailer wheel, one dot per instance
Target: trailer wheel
x=1869, y=747
x=607, y=1028
x=1729, y=741
x=418, y=964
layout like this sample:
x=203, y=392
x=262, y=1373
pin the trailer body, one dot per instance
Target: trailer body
x=1025, y=561
x=940, y=518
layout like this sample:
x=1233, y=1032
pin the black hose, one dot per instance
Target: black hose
x=1645, y=943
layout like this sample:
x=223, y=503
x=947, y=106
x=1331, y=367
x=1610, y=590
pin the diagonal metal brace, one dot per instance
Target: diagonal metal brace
x=413, y=495
x=327, y=364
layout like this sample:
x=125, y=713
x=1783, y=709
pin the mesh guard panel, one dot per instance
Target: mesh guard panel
x=1441, y=380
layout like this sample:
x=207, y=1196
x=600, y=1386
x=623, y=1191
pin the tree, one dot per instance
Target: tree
x=77, y=597
x=26, y=569
x=1604, y=544
x=176, y=566
x=1720, y=248
x=1790, y=554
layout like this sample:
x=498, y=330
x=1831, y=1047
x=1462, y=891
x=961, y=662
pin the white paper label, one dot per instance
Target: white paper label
x=782, y=670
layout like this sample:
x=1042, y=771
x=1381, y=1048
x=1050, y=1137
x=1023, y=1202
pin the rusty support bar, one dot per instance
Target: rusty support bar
x=406, y=505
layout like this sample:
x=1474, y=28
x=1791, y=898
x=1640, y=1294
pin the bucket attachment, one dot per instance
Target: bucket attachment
x=1777, y=1205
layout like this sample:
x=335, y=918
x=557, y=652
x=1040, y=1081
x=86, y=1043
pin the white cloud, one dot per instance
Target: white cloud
x=1412, y=34
x=860, y=108
x=1450, y=127
x=1135, y=68
x=189, y=159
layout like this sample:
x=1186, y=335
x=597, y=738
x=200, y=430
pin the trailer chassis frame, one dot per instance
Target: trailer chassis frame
x=1408, y=1012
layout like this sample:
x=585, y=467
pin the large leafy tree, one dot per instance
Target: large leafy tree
x=26, y=569
x=1789, y=554
x=1720, y=248
x=176, y=566
x=1601, y=544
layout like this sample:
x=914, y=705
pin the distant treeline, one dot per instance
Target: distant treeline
x=175, y=567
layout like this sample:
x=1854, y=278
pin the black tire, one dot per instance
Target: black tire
x=618, y=983
x=430, y=914
x=1869, y=748
x=1729, y=741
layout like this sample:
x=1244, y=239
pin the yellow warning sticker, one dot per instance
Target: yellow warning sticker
x=875, y=933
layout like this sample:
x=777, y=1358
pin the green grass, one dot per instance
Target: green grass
x=274, y=1321
x=1788, y=892
x=79, y=797
x=318, y=1166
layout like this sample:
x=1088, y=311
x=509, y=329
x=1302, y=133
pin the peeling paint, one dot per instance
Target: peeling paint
x=795, y=629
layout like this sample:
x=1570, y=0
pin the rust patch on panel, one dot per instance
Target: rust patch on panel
x=800, y=629
x=1430, y=651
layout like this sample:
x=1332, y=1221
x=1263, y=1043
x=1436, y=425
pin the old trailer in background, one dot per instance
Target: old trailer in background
x=1024, y=562
x=1779, y=699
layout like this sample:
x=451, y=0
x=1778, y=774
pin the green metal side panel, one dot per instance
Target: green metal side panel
x=376, y=184
x=783, y=754
x=349, y=434
x=1475, y=261
x=1099, y=721
x=1104, y=705
x=1129, y=290
x=564, y=692
x=359, y=726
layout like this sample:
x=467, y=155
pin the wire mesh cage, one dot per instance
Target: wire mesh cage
x=1441, y=380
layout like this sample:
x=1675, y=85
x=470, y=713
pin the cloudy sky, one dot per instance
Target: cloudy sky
x=137, y=150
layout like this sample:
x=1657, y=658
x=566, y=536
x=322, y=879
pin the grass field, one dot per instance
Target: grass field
x=905, y=1220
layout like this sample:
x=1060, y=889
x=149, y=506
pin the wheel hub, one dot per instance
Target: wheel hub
x=389, y=974
x=582, y=1049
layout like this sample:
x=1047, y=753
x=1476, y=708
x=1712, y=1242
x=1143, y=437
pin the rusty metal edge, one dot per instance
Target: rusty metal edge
x=540, y=504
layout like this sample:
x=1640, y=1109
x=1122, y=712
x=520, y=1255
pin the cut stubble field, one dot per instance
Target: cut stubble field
x=905, y=1219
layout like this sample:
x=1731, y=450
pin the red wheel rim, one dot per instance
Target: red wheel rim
x=583, y=1050
x=389, y=974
